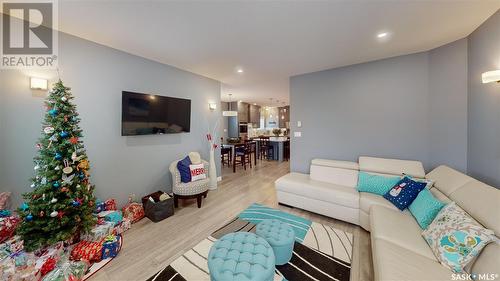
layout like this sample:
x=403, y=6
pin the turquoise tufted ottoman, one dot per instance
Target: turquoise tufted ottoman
x=281, y=237
x=241, y=256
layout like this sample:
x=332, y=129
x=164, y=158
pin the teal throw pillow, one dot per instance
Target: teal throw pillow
x=375, y=183
x=425, y=208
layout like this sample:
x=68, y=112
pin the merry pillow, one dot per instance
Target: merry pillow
x=197, y=172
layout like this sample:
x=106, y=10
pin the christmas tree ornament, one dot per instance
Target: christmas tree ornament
x=63, y=134
x=24, y=207
x=43, y=196
x=42, y=213
x=67, y=168
x=43, y=181
x=56, y=184
x=73, y=140
x=75, y=203
x=48, y=130
x=60, y=214
x=54, y=214
x=29, y=217
x=64, y=189
x=81, y=175
x=54, y=200
x=58, y=156
x=67, y=180
x=65, y=118
x=57, y=168
x=53, y=112
x=38, y=146
x=36, y=167
x=33, y=185
x=64, y=99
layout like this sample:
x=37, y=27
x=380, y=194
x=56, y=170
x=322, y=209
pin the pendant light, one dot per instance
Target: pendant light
x=230, y=112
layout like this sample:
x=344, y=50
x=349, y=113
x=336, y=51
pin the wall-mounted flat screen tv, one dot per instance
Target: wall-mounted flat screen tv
x=144, y=114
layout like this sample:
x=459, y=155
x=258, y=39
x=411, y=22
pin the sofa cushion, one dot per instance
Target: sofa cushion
x=481, y=201
x=375, y=184
x=399, y=228
x=392, y=262
x=183, y=167
x=447, y=180
x=302, y=185
x=336, y=164
x=404, y=192
x=336, y=172
x=391, y=166
x=455, y=238
x=367, y=200
x=425, y=208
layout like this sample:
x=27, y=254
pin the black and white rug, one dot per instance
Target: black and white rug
x=320, y=253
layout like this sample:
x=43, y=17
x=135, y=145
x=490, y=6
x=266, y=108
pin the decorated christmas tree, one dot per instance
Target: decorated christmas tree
x=61, y=203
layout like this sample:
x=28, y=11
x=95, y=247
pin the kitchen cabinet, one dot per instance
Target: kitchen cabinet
x=254, y=116
x=284, y=116
x=243, y=112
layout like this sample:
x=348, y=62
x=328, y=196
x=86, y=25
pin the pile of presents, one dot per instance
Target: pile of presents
x=69, y=260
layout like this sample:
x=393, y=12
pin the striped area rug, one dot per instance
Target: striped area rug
x=320, y=252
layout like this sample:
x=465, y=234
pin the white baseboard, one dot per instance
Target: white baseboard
x=219, y=178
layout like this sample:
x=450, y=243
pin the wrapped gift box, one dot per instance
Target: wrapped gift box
x=99, y=232
x=122, y=227
x=8, y=226
x=99, y=206
x=110, y=204
x=111, y=247
x=113, y=216
x=87, y=250
x=67, y=271
x=4, y=200
x=133, y=211
x=15, y=244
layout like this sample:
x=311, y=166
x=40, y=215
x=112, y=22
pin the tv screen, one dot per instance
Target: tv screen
x=144, y=114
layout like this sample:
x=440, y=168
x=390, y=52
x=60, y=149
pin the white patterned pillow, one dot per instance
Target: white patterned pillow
x=455, y=238
x=197, y=172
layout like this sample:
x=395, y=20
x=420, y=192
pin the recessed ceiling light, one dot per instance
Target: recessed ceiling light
x=254, y=104
x=240, y=101
x=382, y=34
x=239, y=70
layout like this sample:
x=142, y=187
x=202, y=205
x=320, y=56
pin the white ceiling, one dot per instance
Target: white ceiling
x=270, y=40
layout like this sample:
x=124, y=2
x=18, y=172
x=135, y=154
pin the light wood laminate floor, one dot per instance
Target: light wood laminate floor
x=149, y=247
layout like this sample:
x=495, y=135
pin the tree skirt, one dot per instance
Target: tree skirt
x=320, y=252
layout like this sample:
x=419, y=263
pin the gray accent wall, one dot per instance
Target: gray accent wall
x=406, y=107
x=448, y=105
x=97, y=75
x=483, y=160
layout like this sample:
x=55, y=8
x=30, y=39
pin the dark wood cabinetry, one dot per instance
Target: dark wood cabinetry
x=243, y=112
x=254, y=116
x=284, y=116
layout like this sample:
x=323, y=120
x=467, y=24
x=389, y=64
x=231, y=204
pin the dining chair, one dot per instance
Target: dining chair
x=241, y=156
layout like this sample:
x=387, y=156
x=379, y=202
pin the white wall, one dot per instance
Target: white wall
x=97, y=75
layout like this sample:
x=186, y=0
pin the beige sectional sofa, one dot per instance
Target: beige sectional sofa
x=398, y=249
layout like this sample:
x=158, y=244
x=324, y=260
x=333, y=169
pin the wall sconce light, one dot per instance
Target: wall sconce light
x=38, y=84
x=212, y=106
x=491, y=76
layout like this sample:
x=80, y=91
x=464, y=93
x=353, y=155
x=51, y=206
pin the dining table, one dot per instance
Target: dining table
x=232, y=145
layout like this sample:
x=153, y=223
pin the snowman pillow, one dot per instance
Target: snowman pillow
x=404, y=192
